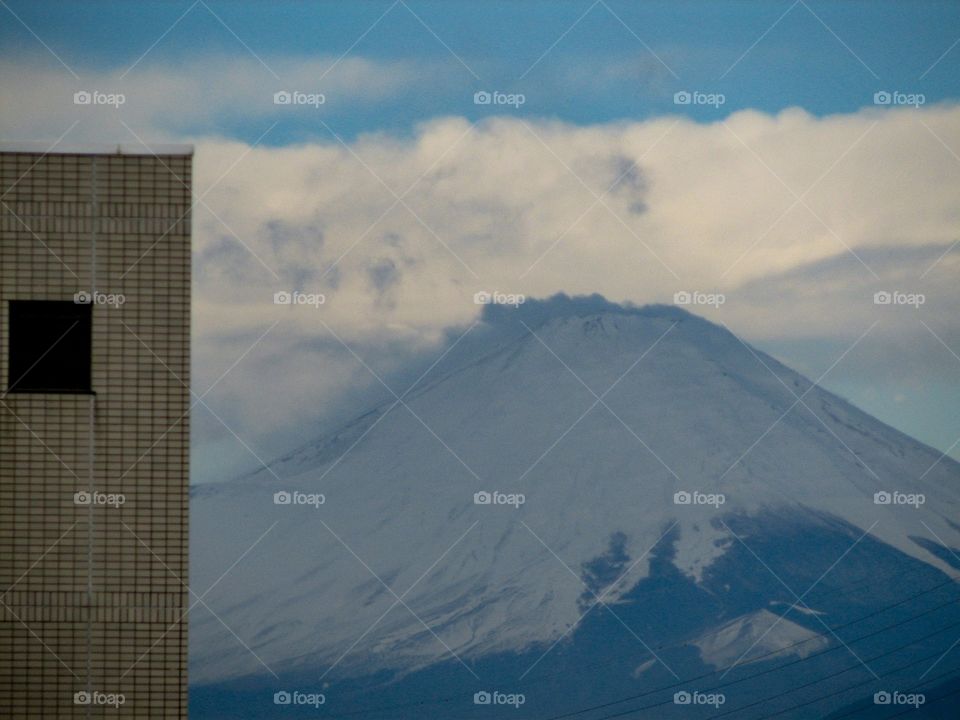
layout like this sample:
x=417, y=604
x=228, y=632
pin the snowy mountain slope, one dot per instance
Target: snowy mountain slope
x=686, y=407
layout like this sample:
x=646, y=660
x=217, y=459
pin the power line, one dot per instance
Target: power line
x=862, y=683
x=865, y=682
x=845, y=589
x=832, y=675
x=874, y=613
x=763, y=672
x=936, y=699
x=624, y=713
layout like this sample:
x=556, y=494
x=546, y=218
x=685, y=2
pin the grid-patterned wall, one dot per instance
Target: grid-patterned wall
x=94, y=596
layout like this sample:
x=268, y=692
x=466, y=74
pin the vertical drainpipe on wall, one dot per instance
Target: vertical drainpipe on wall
x=91, y=436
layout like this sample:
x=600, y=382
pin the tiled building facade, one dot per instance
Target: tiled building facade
x=94, y=431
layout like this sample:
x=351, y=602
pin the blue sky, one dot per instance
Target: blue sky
x=820, y=217
x=827, y=57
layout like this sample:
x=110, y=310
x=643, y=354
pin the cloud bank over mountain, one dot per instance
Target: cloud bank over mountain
x=789, y=217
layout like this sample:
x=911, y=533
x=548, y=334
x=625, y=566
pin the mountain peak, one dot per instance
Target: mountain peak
x=538, y=312
x=613, y=423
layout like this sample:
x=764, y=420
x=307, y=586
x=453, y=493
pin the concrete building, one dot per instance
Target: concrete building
x=94, y=431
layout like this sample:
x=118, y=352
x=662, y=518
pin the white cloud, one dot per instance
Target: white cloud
x=494, y=199
x=512, y=205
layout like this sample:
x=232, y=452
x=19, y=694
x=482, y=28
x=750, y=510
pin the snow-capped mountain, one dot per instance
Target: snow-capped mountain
x=594, y=454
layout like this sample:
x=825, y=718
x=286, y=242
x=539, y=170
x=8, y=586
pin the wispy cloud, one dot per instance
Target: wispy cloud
x=162, y=100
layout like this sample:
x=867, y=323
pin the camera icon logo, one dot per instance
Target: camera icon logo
x=282, y=98
x=882, y=298
x=482, y=498
x=282, y=298
x=682, y=498
x=82, y=498
x=682, y=298
x=82, y=97
x=81, y=698
x=482, y=97
x=682, y=98
x=882, y=97
x=282, y=698
x=482, y=298
x=482, y=698
x=882, y=498
x=282, y=498
x=882, y=697
x=82, y=298
x=682, y=697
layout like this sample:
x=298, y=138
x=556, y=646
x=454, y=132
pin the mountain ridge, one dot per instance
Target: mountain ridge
x=563, y=307
x=513, y=420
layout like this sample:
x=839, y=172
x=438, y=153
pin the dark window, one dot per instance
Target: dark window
x=49, y=346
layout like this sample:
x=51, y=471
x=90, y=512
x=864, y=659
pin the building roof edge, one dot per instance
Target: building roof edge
x=95, y=148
